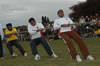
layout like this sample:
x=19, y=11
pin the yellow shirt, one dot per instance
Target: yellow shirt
x=98, y=31
x=12, y=37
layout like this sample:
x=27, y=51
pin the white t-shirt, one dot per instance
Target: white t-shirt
x=60, y=21
x=32, y=30
x=81, y=20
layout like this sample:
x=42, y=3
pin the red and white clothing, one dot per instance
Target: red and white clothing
x=32, y=30
x=60, y=21
x=68, y=34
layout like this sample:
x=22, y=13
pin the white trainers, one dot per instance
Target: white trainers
x=14, y=54
x=2, y=58
x=25, y=54
x=37, y=57
x=78, y=58
x=54, y=55
x=90, y=58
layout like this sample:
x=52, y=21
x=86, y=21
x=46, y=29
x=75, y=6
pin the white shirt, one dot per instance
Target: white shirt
x=32, y=30
x=81, y=20
x=60, y=21
x=1, y=32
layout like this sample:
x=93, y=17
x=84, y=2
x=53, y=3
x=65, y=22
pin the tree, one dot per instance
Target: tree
x=88, y=8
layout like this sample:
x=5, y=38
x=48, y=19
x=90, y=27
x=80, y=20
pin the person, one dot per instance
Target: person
x=35, y=30
x=12, y=40
x=82, y=26
x=1, y=38
x=87, y=19
x=90, y=33
x=67, y=34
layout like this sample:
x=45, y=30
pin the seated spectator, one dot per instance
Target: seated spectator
x=90, y=33
x=97, y=33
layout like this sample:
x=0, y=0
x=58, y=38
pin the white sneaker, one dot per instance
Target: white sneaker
x=90, y=58
x=25, y=54
x=14, y=54
x=2, y=58
x=78, y=58
x=37, y=57
x=54, y=55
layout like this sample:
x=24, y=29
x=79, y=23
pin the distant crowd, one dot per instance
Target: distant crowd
x=88, y=30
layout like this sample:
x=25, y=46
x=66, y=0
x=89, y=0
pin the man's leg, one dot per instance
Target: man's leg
x=68, y=41
x=80, y=43
x=33, y=47
x=1, y=48
x=19, y=47
x=46, y=46
x=9, y=46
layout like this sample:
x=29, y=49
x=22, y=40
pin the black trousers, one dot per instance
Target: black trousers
x=17, y=45
x=1, y=48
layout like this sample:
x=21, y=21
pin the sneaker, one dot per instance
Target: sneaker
x=90, y=58
x=2, y=58
x=78, y=58
x=14, y=54
x=37, y=57
x=54, y=55
x=25, y=54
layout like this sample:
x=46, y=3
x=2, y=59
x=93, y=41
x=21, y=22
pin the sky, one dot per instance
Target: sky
x=18, y=12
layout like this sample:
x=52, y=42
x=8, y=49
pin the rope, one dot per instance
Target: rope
x=76, y=24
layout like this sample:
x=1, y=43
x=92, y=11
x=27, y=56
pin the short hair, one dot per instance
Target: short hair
x=9, y=24
x=60, y=11
x=31, y=19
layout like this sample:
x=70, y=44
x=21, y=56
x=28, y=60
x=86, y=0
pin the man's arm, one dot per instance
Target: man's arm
x=66, y=25
x=56, y=25
x=41, y=28
x=1, y=32
x=30, y=30
x=13, y=33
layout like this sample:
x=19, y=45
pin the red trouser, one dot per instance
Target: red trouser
x=67, y=36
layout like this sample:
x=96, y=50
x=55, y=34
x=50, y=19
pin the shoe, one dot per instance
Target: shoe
x=54, y=55
x=78, y=58
x=14, y=54
x=25, y=54
x=90, y=58
x=37, y=57
x=2, y=58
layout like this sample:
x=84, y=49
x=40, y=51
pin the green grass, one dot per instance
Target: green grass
x=60, y=49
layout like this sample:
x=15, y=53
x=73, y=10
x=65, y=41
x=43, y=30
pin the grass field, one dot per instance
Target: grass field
x=60, y=49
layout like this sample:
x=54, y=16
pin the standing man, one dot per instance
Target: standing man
x=67, y=34
x=35, y=30
x=1, y=38
x=12, y=39
x=82, y=26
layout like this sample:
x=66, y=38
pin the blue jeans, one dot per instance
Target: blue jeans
x=44, y=43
